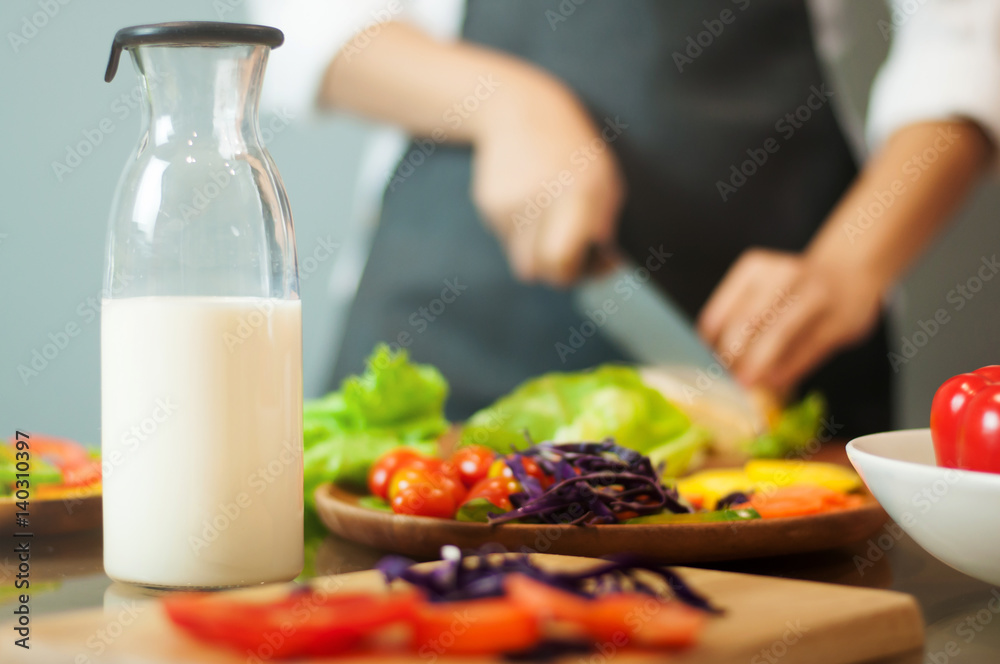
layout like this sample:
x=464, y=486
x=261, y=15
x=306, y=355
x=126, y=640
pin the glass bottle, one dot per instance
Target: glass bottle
x=201, y=341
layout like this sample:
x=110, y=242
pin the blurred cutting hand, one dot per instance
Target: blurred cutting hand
x=780, y=315
x=543, y=178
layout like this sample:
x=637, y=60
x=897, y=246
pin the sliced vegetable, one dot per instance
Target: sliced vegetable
x=708, y=487
x=475, y=576
x=475, y=627
x=644, y=621
x=711, y=485
x=716, y=516
x=41, y=472
x=60, y=452
x=797, y=426
x=84, y=474
x=800, y=500
x=779, y=473
x=300, y=625
x=58, y=467
x=466, y=605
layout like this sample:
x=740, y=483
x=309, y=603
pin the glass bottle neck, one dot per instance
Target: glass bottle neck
x=202, y=93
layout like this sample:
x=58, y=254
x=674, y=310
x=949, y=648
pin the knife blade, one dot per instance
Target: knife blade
x=634, y=313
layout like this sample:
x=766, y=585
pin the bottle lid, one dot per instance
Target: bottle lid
x=190, y=32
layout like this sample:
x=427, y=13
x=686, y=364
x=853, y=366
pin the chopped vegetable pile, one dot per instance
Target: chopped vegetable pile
x=357, y=434
x=55, y=467
x=599, y=483
x=482, y=604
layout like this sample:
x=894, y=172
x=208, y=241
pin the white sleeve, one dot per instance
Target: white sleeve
x=316, y=30
x=944, y=63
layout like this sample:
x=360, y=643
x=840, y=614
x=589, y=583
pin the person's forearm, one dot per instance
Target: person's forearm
x=407, y=78
x=905, y=194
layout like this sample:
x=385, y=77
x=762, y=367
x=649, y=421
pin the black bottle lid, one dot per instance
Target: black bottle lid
x=190, y=32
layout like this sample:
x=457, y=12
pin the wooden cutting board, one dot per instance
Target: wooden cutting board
x=766, y=619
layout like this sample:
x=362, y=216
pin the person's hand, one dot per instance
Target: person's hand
x=545, y=180
x=776, y=316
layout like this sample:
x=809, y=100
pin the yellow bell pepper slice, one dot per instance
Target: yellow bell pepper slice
x=710, y=485
x=789, y=472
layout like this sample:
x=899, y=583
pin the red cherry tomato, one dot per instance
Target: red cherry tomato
x=965, y=421
x=424, y=500
x=451, y=486
x=473, y=463
x=404, y=478
x=497, y=490
x=382, y=470
x=501, y=468
x=410, y=476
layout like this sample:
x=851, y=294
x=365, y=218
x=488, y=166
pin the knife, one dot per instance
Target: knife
x=644, y=322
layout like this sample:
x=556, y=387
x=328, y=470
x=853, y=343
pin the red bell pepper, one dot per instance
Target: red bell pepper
x=965, y=421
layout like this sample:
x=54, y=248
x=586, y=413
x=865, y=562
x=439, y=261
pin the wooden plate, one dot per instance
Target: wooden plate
x=422, y=537
x=52, y=516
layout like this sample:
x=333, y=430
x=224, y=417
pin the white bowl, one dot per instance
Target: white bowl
x=953, y=514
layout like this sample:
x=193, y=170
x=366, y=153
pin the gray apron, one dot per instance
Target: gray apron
x=726, y=138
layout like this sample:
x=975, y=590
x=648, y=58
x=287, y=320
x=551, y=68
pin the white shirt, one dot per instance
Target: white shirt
x=944, y=61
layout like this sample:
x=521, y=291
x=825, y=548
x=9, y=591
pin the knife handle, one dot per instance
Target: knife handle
x=599, y=260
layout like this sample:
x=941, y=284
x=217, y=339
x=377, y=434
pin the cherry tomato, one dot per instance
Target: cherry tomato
x=473, y=463
x=453, y=487
x=424, y=500
x=497, y=490
x=303, y=624
x=410, y=475
x=404, y=478
x=475, y=627
x=382, y=470
x=501, y=468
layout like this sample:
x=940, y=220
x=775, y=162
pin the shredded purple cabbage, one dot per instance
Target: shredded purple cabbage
x=594, y=484
x=480, y=575
x=735, y=498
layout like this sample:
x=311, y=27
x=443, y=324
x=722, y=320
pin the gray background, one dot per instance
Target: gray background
x=52, y=232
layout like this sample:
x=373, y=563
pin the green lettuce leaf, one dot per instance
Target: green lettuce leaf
x=797, y=426
x=608, y=401
x=393, y=403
